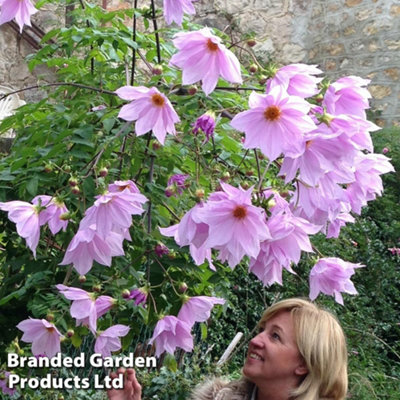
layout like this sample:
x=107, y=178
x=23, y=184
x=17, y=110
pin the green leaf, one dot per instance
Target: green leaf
x=76, y=340
x=32, y=185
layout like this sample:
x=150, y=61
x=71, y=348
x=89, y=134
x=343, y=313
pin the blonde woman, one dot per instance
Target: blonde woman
x=299, y=354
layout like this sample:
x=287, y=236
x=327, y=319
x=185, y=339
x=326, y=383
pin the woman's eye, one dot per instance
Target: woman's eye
x=276, y=336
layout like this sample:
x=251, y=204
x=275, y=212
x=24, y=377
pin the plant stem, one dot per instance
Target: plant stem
x=153, y=12
x=134, y=39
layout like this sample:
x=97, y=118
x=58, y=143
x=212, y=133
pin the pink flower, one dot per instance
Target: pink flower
x=85, y=307
x=87, y=246
x=297, y=80
x=139, y=296
x=202, y=56
x=385, y=150
x=170, y=333
x=151, y=110
x=174, y=10
x=206, y=123
x=332, y=277
x=198, y=309
x=112, y=212
x=190, y=230
x=53, y=212
x=26, y=217
x=43, y=335
x=236, y=227
x=322, y=153
x=347, y=96
x=289, y=238
x=119, y=186
x=109, y=340
x=275, y=123
x=368, y=183
x=21, y=10
x=176, y=184
x=4, y=384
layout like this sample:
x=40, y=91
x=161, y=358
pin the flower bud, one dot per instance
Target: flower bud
x=67, y=169
x=97, y=288
x=262, y=79
x=385, y=150
x=226, y=176
x=199, y=193
x=72, y=181
x=75, y=190
x=249, y=173
x=251, y=42
x=70, y=333
x=48, y=168
x=183, y=287
x=192, y=90
x=253, y=68
x=103, y=172
x=157, y=70
x=156, y=145
x=50, y=317
x=125, y=294
x=82, y=278
x=245, y=185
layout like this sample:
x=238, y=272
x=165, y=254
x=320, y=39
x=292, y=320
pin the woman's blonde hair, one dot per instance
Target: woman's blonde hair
x=322, y=344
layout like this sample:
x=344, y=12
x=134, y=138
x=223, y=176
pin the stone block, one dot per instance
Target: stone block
x=395, y=10
x=392, y=44
x=379, y=92
x=350, y=30
x=336, y=49
x=365, y=14
x=392, y=73
x=352, y=3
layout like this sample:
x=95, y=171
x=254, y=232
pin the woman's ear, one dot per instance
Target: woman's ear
x=301, y=369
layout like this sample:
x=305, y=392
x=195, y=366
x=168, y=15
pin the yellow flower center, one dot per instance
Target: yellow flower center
x=157, y=100
x=240, y=212
x=272, y=113
x=212, y=46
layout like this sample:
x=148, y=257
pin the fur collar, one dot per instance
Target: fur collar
x=218, y=389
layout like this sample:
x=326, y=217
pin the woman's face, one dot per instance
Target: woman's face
x=273, y=354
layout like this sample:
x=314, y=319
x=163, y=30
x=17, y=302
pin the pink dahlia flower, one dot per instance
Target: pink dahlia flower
x=21, y=10
x=151, y=110
x=176, y=185
x=113, y=211
x=27, y=218
x=139, y=296
x=368, y=183
x=119, y=186
x=236, y=227
x=87, y=246
x=174, y=10
x=332, y=277
x=43, y=335
x=109, y=340
x=347, y=95
x=205, y=123
x=275, y=123
x=202, y=56
x=297, y=80
x=322, y=153
x=198, y=309
x=170, y=333
x=85, y=308
x=53, y=212
x=289, y=238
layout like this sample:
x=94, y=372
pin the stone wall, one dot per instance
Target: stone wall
x=360, y=37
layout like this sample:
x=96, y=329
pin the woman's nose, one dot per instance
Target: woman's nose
x=257, y=341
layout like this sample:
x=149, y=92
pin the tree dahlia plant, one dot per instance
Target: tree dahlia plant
x=139, y=189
